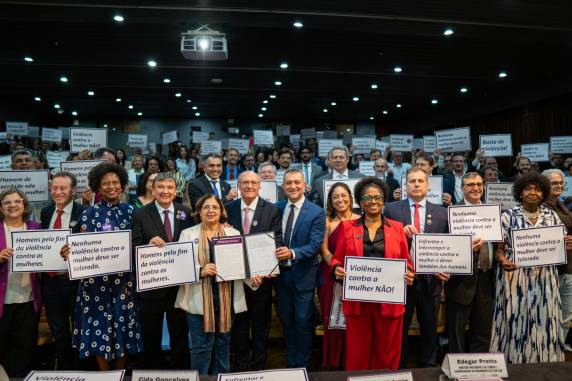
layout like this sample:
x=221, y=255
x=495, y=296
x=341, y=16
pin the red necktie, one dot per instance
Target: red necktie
x=57, y=225
x=231, y=173
x=416, y=218
x=168, y=226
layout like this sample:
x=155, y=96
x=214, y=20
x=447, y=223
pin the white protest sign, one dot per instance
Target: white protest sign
x=366, y=168
x=496, y=145
x=380, y=145
x=161, y=375
x=535, y=152
x=375, y=280
x=561, y=144
x=268, y=191
x=3, y=135
x=5, y=162
x=69, y=375
x=199, y=136
x=87, y=138
x=38, y=250
x=282, y=130
x=80, y=168
x=307, y=133
x=477, y=220
x=65, y=132
x=51, y=135
x=241, y=145
x=402, y=143
x=234, y=185
x=328, y=134
x=292, y=374
x=137, y=140
x=435, y=192
x=429, y=144
x=401, y=376
x=17, y=128
x=325, y=145
x=295, y=139
x=54, y=158
x=500, y=193
x=542, y=246
x=474, y=365
x=347, y=137
x=33, y=183
x=211, y=146
x=337, y=318
x=100, y=253
x=442, y=253
x=263, y=137
x=454, y=140
x=567, y=192
x=224, y=143
x=351, y=183
x=170, y=265
x=33, y=131
x=169, y=136
x=280, y=176
x=418, y=143
x=363, y=145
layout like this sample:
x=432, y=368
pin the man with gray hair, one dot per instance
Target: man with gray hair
x=22, y=160
x=267, y=171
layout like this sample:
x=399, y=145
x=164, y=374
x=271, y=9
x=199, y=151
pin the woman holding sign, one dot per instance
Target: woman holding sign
x=373, y=330
x=526, y=319
x=106, y=318
x=19, y=292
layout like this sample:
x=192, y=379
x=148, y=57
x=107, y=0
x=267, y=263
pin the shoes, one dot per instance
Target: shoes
x=567, y=348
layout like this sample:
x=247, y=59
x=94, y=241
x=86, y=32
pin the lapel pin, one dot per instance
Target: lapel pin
x=358, y=236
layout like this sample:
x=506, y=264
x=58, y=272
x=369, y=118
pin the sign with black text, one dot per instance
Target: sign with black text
x=496, y=145
x=211, y=146
x=51, y=135
x=454, y=140
x=70, y=375
x=474, y=365
x=170, y=137
x=137, y=140
x=400, y=376
x=325, y=145
x=500, y=193
x=38, y=250
x=17, y=128
x=263, y=137
x=81, y=169
x=292, y=374
x=541, y=246
x=481, y=220
x=442, y=253
x=33, y=182
x=87, y=138
x=403, y=143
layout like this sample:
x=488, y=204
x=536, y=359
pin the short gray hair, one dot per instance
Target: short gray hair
x=551, y=171
x=266, y=164
x=293, y=170
x=339, y=148
x=21, y=152
x=164, y=176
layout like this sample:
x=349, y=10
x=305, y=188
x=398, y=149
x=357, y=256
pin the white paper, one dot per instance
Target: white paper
x=169, y=136
x=162, y=375
x=402, y=143
x=366, y=168
x=429, y=144
x=70, y=375
x=292, y=374
x=351, y=183
x=280, y=177
x=33, y=182
x=260, y=252
x=375, y=280
x=474, y=365
x=400, y=376
x=435, y=192
x=328, y=134
x=496, y=145
x=87, y=138
x=542, y=246
x=263, y=137
x=418, y=143
x=33, y=131
x=5, y=162
x=3, y=135
x=567, y=187
x=54, y=158
x=337, y=318
x=268, y=191
x=500, y=193
x=454, y=140
x=241, y=145
x=137, y=140
x=81, y=169
x=39, y=250
x=99, y=253
x=363, y=145
x=65, y=132
x=535, y=152
x=170, y=265
x=382, y=146
x=282, y=130
x=17, y=128
x=307, y=133
x=442, y=253
x=51, y=135
x=229, y=258
x=561, y=144
x=482, y=220
x=211, y=146
x=295, y=139
x=200, y=137
x=325, y=145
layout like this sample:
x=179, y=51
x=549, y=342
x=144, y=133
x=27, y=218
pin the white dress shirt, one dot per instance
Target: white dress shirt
x=399, y=171
x=422, y=212
x=171, y=210
x=298, y=206
x=340, y=176
x=66, y=216
x=218, y=188
x=251, y=207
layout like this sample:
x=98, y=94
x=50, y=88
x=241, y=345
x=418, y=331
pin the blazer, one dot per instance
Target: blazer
x=147, y=223
x=266, y=218
x=436, y=221
x=201, y=186
x=306, y=241
x=224, y=174
x=4, y=270
x=317, y=193
x=47, y=213
x=351, y=244
x=317, y=172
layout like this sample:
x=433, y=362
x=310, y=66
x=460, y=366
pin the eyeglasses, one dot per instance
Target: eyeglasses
x=12, y=202
x=474, y=185
x=376, y=198
x=557, y=183
x=211, y=207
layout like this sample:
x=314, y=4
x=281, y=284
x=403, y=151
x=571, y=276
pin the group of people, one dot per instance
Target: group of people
x=523, y=312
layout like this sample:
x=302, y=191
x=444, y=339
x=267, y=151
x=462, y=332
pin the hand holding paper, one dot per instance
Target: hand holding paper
x=5, y=254
x=157, y=241
x=65, y=251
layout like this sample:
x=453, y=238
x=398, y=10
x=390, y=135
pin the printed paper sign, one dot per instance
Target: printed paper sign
x=38, y=250
x=567, y=186
x=200, y=137
x=161, y=375
x=325, y=145
x=477, y=220
x=170, y=136
x=497, y=145
x=366, y=168
x=561, y=144
x=435, y=192
x=282, y=130
x=137, y=140
x=375, y=280
x=65, y=375
x=292, y=374
x=295, y=139
x=429, y=144
x=542, y=246
x=33, y=131
x=351, y=183
x=3, y=135
x=443, y=253
x=170, y=265
x=418, y=143
x=401, y=376
x=307, y=133
x=17, y=128
x=5, y=162
x=329, y=134
x=241, y=145
x=500, y=193
x=263, y=137
x=268, y=191
x=535, y=152
x=280, y=176
x=474, y=365
x=54, y=158
x=454, y=140
x=100, y=253
x=65, y=132
x=402, y=143
x=81, y=169
x=337, y=319
x=382, y=146
x=363, y=145
x=211, y=146
x=51, y=135
x=228, y=253
x=34, y=183
x=87, y=138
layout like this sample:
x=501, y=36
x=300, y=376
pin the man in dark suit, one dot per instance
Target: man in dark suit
x=231, y=170
x=455, y=176
x=156, y=223
x=58, y=291
x=211, y=182
x=420, y=216
x=470, y=297
x=303, y=225
x=311, y=170
x=338, y=159
x=252, y=215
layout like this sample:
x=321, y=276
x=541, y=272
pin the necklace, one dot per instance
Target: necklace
x=531, y=215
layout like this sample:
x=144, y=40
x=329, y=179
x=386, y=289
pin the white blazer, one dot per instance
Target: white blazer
x=190, y=297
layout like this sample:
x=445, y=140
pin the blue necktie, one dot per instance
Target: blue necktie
x=289, y=223
x=215, y=190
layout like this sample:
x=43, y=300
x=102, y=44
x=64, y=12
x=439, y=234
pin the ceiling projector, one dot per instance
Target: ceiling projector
x=204, y=44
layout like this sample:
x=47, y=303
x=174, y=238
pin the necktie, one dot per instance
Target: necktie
x=58, y=221
x=484, y=258
x=306, y=174
x=215, y=190
x=416, y=218
x=168, y=231
x=246, y=222
x=289, y=223
x=231, y=173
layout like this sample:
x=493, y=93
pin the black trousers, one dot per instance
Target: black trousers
x=255, y=322
x=18, y=336
x=152, y=311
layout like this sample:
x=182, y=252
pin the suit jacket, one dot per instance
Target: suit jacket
x=201, y=186
x=317, y=172
x=47, y=213
x=351, y=244
x=317, y=194
x=225, y=176
x=306, y=241
x=147, y=223
x=436, y=221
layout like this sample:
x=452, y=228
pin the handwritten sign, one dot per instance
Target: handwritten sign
x=443, y=253
x=497, y=145
x=325, y=145
x=263, y=137
x=561, y=144
x=81, y=169
x=454, y=140
x=51, y=135
x=170, y=137
x=500, y=193
x=474, y=365
x=542, y=246
x=34, y=183
x=477, y=220
x=38, y=250
x=535, y=152
x=137, y=140
x=87, y=138
x=403, y=143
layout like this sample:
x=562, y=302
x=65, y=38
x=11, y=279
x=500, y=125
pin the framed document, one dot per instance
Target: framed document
x=260, y=252
x=229, y=255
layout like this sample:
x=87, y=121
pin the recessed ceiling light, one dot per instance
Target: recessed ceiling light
x=57, y=105
x=371, y=118
x=178, y=95
x=197, y=114
x=118, y=18
x=260, y=115
x=60, y=111
x=91, y=93
x=385, y=112
x=398, y=105
x=283, y=65
x=503, y=74
x=28, y=59
x=397, y=69
x=273, y=96
x=298, y=24
x=64, y=79
x=448, y=32
x=152, y=63
x=265, y=101
x=355, y=99
x=194, y=107
x=37, y=99
x=166, y=80
x=117, y=99
x=263, y=108
x=463, y=89
x=188, y=101
x=325, y=110
x=278, y=83
x=105, y=125
x=74, y=113
x=130, y=107
x=139, y=113
x=333, y=103
x=374, y=86
x=434, y=101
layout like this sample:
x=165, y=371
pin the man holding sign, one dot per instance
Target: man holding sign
x=155, y=224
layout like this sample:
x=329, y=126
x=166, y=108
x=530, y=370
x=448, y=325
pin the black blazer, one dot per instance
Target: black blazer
x=47, y=213
x=201, y=186
x=147, y=223
x=266, y=219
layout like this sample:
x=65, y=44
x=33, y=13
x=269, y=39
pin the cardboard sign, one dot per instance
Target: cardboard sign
x=477, y=220
x=38, y=250
x=454, y=140
x=402, y=143
x=561, y=144
x=200, y=137
x=535, y=152
x=137, y=140
x=263, y=137
x=211, y=146
x=51, y=135
x=474, y=365
x=542, y=246
x=325, y=145
x=496, y=145
x=34, y=183
x=170, y=137
x=500, y=193
x=81, y=169
x=443, y=253
x=87, y=138
x=17, y=128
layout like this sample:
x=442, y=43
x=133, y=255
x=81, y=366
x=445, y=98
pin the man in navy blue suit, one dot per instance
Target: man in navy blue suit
x=303, y=226
x=420, y=216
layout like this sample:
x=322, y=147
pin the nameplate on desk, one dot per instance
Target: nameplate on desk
x=39, y=251
x=542, y=246
x=294, y=374
x=59, y=375
x=475, y=365
x=165, y=375
x=401, y=376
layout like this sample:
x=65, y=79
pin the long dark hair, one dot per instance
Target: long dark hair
x=330, y=211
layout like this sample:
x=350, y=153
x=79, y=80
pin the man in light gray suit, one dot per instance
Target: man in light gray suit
x=338, y=159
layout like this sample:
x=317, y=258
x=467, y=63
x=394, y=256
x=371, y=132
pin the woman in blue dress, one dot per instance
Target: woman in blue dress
x=106, y=316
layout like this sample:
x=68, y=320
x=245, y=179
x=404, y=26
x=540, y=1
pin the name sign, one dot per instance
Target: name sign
x=64, y=375
x=375, y=280
x=561, y=144
x=163, y=375
x=401, y=376
x=496, y=145
x=443, y=253
x=475, y=365
x=454, y=140
x=87, y=138
x=38, y=250
x=535, y=152
x=294, y=374
x=34, y=183
x=81, y=169
x=478, y=220
x=403, y=143
x=542, y=246
x=500, y=193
